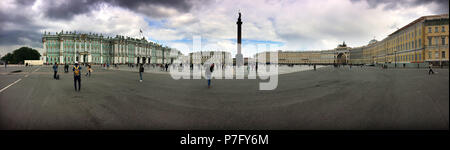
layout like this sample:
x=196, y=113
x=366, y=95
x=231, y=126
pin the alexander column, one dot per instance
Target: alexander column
x=239, y=57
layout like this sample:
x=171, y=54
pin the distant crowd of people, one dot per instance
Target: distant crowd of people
x=209, y=69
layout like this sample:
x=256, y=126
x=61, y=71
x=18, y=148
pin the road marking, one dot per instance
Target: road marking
x=19, y=80
x=32, y=72
x=10, y=85
x=36, y=69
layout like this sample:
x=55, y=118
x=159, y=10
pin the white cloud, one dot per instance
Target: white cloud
x=298, y=24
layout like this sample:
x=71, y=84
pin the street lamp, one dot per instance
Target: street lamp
x=395, y=59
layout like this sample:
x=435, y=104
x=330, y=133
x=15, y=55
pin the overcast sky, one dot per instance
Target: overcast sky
x=284, y=24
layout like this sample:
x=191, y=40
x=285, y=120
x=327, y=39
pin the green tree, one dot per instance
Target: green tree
x=21, y=54
x=7, y=58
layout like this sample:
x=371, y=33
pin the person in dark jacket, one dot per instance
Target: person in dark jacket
x=55, y=70
x=430, y=71
x=208, y=73
x=141, y=70
x=66, y=68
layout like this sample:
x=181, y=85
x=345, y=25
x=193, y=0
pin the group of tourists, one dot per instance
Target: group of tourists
x=76, y=73
x=164, y=67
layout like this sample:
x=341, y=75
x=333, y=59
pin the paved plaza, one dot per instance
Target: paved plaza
x=359, y=98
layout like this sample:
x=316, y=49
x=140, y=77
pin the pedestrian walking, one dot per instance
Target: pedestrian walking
x=314, y=67
x=208, y=73
x=66, y=68
x=430, y=71
x=77, y=76
x=89, y=70
x=55, y=70
x=141, y=70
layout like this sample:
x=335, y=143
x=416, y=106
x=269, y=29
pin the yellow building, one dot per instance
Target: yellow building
x=419, y=43
x=339, y=55
x=220, y=57
x=423, y=41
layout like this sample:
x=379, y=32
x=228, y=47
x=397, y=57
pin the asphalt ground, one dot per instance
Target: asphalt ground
x=330, y=98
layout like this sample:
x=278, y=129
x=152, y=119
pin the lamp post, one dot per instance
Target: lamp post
x=395, y=59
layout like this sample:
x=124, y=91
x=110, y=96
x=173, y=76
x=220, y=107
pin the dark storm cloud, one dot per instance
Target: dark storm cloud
x=394, y=4
x=180, y=5
x=25, y=28
x=25, y=2
x=20, y=37
x=67, y=9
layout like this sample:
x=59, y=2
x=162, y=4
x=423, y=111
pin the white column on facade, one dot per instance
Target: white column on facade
x=61, y=50
x=74, y=50
x=115, y=52
x=45, y=50
x=120, y=53
x=90, y=47
x=136, y=54
x=79, y=50
x=90, y=52
x=101, y=51
x=126, y=54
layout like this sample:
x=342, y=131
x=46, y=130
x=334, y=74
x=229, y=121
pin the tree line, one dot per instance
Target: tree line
x=19, y=55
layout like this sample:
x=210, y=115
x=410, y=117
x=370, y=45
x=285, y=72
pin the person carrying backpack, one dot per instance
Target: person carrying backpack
x=77, y=76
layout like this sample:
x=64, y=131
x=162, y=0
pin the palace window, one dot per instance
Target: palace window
x=429, y=29
x=436, y=29
x=443, y=54
x=430, y=55
x=443, y=40
x=429, y=41
x=436, y=55
x=420, y=43
x=443, y=29
x=436, y=41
